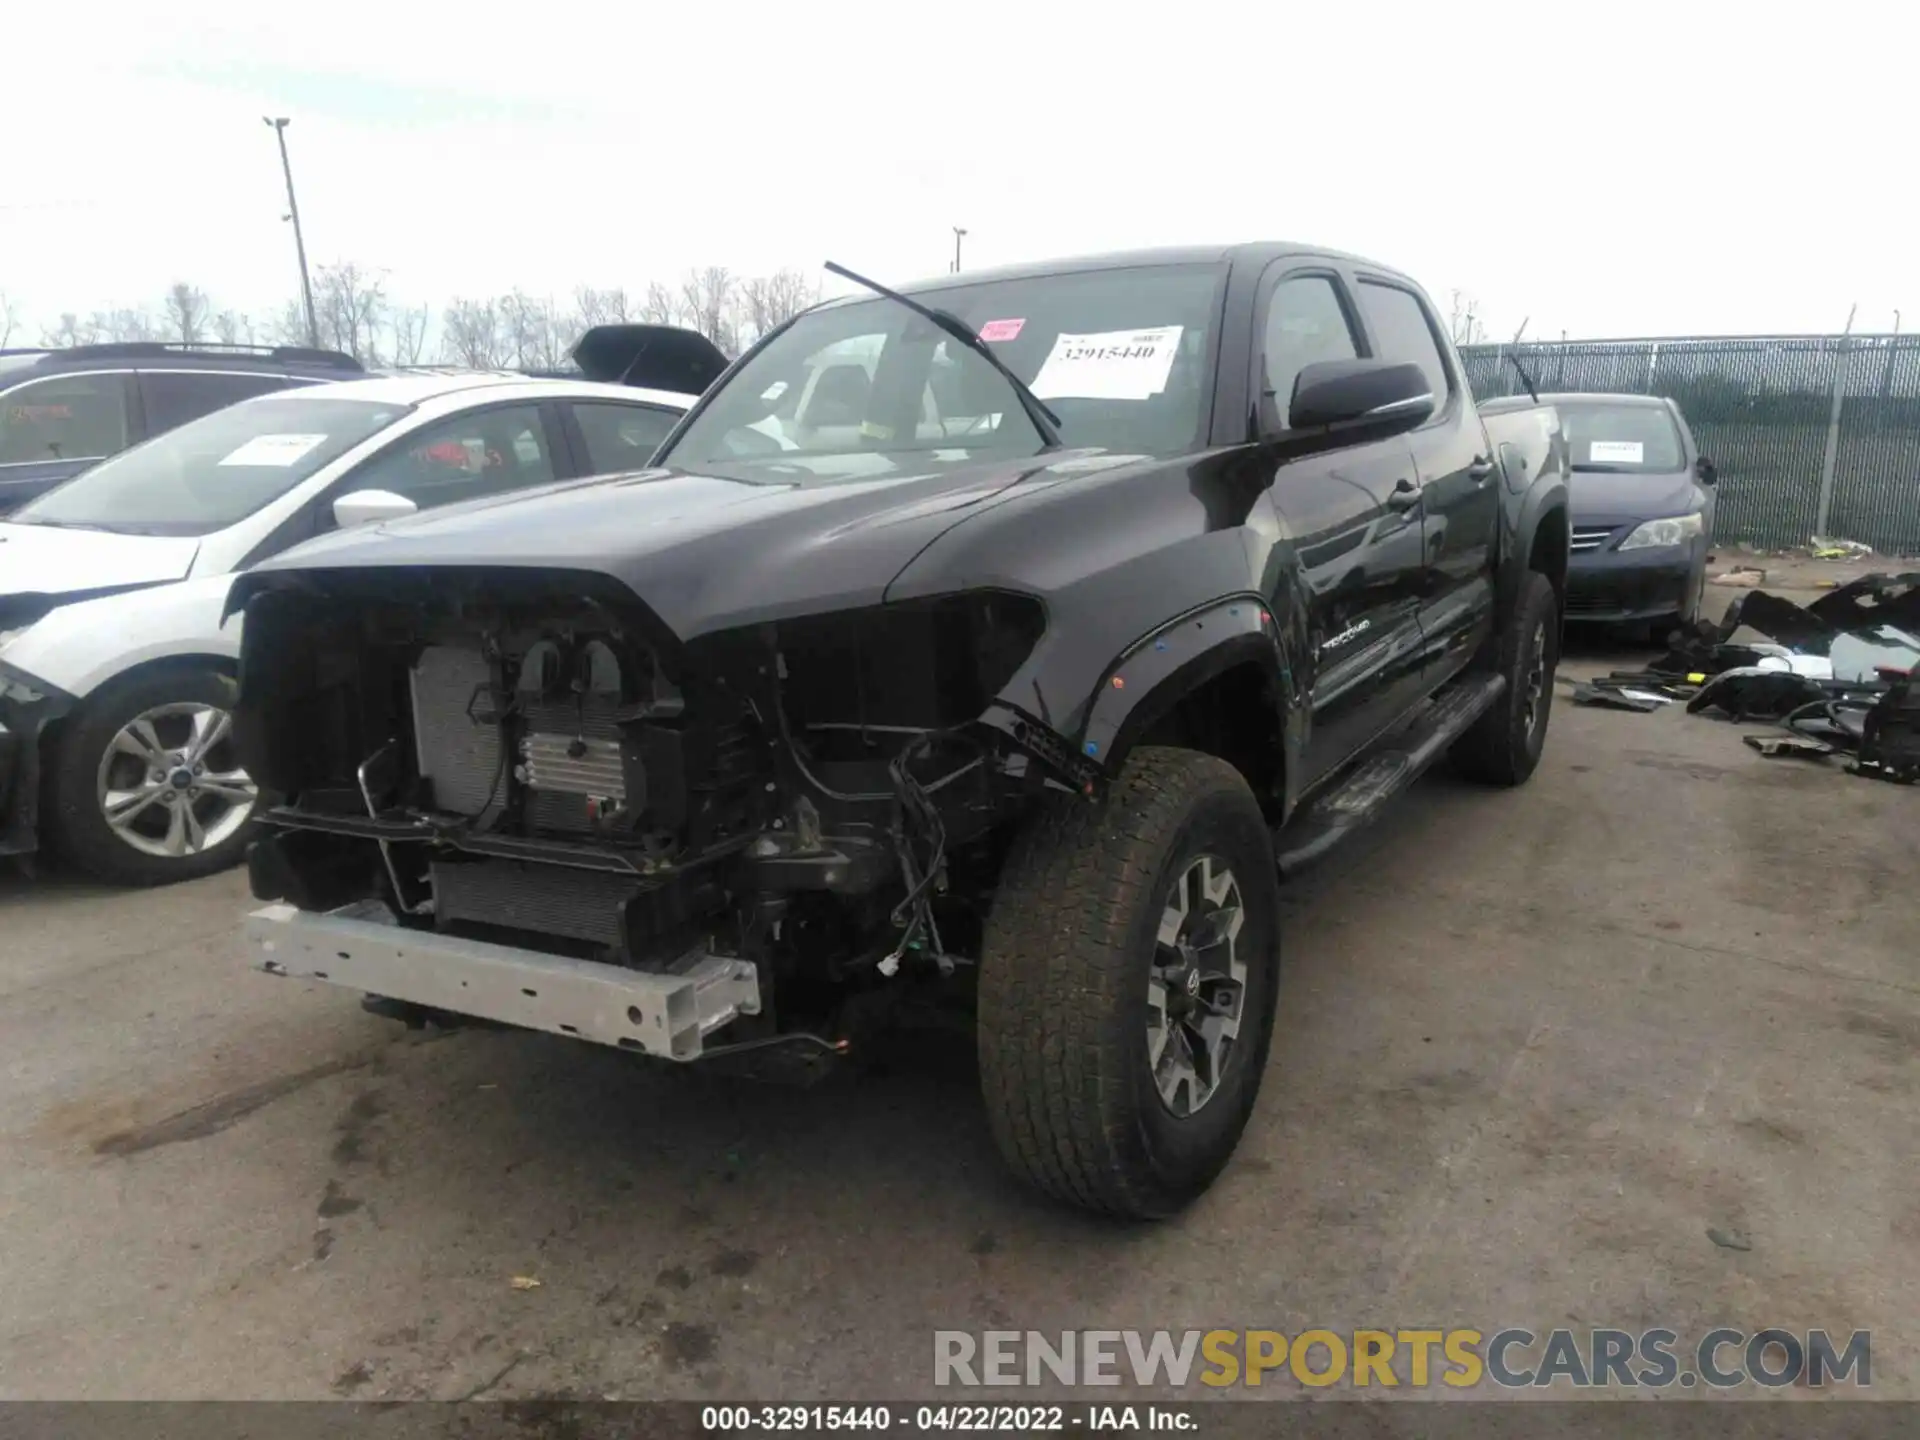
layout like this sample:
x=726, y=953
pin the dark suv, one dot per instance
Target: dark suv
x=63, y=410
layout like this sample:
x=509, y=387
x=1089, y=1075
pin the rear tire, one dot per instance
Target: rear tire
x=176, y=720
x=1109, y=1075
x=1504, y=745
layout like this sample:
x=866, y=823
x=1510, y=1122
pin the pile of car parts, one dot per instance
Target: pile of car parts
x=1839, y=675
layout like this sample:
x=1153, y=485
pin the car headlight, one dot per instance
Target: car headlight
x=1676, y=530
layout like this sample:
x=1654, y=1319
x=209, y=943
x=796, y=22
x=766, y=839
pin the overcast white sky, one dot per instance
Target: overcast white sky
x=1606, y=169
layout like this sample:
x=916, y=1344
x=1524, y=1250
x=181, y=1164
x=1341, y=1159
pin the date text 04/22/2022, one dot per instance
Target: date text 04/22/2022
x=962, y=1418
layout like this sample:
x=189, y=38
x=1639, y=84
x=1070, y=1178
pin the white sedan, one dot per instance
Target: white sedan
x=115, y=742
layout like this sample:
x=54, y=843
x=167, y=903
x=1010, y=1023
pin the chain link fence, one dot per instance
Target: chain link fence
x=1812, y=434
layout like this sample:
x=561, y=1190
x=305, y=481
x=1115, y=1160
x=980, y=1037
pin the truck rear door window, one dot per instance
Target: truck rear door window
x=1403, y=332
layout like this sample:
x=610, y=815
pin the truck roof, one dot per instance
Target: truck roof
x=1253, y=251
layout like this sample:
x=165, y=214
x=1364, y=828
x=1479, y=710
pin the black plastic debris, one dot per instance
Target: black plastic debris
x=1775, y=746
x=1702, y=651
x=1750, y=693
x=1608, y=698
x=1850, y=635
x=1890, y=734
x=1838, y=720
x=1875, y=599
x=1794, y=626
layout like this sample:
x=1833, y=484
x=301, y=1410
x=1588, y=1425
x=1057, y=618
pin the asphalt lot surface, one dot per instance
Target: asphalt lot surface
x=1532, y=1047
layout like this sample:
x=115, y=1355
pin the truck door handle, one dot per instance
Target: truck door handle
x=1479, y=470
x=1405, y=496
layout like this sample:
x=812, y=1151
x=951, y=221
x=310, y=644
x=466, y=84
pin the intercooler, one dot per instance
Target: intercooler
x=457, y=743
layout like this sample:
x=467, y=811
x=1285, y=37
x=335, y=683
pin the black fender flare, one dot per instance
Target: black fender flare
x=1525, y=512
x=1145, y=681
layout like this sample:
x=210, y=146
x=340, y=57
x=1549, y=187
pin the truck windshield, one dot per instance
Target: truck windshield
x=1122, y=356
x=1625, y=439
x=212, y=472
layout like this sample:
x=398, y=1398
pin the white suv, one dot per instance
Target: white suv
x=114, y=706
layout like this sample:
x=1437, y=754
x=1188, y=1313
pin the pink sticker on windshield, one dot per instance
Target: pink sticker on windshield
x=1001, y=329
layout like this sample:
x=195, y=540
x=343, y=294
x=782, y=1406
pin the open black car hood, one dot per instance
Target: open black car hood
x=654, y=357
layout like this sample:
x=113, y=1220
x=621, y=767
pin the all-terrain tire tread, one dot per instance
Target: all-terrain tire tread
x=1056, y=964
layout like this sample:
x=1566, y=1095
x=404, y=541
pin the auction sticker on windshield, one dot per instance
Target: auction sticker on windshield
x=1113, y=365
x=1616, y=452
x=1002, y=329
x=278, y=450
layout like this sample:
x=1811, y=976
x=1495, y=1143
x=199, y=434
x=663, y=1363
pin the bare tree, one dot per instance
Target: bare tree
x=662, y=306
x=533, y=335
x=230, y=327
x=287, y=325
x=600, y=307
x=354, y=313
x=708, y=302
x=9, y=317
x=350, y=308
x=125, y=325
x=770, y=300
x=1464, y=323
x=71, y=331
x=407, y=332
x=187, y=312
x=470, y=334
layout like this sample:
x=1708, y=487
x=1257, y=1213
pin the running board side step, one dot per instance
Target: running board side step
x=1362, y=794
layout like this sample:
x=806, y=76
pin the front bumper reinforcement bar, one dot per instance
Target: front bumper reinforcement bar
x=666, y=1013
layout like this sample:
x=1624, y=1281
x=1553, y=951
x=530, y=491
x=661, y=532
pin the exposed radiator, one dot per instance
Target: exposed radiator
x=459, y=755
x=542, y=899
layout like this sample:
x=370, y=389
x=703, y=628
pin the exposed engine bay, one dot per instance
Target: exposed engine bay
x=524, y=760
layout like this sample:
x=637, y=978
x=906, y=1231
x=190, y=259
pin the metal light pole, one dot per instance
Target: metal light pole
x=958, y=236
x=299, y=241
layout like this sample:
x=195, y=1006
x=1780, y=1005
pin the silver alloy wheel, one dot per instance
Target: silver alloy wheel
x=169, y=784
x=1197, y=988
x=1536, y=679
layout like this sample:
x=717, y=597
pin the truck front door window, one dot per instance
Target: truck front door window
x=1306, y=325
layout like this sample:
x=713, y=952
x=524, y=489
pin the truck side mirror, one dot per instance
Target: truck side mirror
x=1343, y=402
x=1704, y=471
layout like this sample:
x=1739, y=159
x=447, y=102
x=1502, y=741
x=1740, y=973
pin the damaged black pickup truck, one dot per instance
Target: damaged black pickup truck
x=1008, y=637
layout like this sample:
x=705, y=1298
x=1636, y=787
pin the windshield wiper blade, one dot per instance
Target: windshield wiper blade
x=1043, y=419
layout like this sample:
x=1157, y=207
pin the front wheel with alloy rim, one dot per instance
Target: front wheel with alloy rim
x=146, y=786
x=1127, y=986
